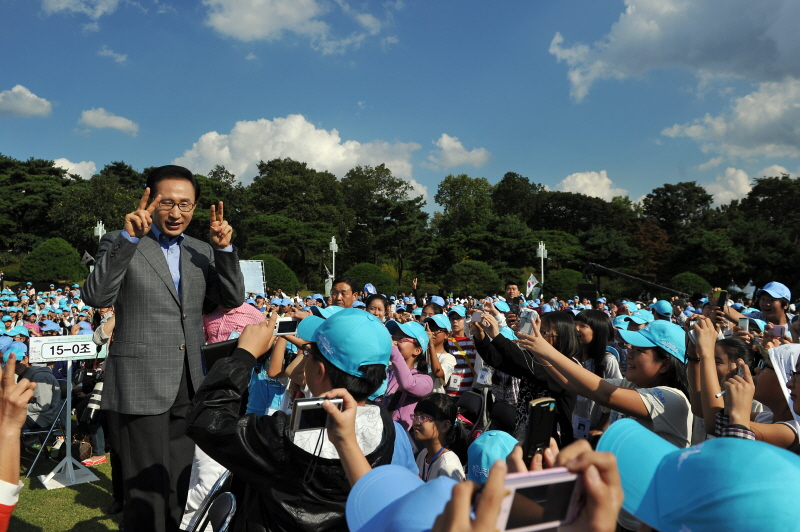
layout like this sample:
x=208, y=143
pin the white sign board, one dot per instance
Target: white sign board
x=54, y=348
x=253, y=272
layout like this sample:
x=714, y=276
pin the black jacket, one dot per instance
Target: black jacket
x=260, y=452
x=503, y=354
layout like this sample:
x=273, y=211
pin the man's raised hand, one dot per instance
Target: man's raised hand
x=220, y=233
x=138, y=222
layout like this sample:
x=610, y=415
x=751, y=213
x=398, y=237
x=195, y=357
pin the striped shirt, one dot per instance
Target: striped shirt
x=462, y=368
x=219, y=324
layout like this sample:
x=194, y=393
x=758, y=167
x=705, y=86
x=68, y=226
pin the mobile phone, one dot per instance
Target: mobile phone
x=540, y=500
x=541, y=417
x=777, y=331
x=526, y=318
x=722, y=298
x=744, y=324
x=308, y=414
x=514, y=306
x=476, y=317
x=286, y=326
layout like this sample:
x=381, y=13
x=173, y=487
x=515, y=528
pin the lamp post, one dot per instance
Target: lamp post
x=542, y=254
x=99, y=230
x=334, y=248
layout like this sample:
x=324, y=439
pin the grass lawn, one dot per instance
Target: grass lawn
x=79, y=508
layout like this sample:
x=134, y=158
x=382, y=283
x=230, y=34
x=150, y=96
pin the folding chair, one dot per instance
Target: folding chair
x=221, y=512
x=59, y=423
x=203, y=513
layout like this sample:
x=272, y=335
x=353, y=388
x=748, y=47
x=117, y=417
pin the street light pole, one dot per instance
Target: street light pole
x=542, y=254
x=334, y=248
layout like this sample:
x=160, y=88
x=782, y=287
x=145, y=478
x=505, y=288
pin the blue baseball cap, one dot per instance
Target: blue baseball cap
x=370, y=289
x=49, y=325
x=76, y=285
x=632, y=307
x=502, y=306
x=400, y=308
x=641, y=316
x=84, y=325
x=411, y=329
x=275, y=301
x=487, y=448
x=776, y=290
x=417, y=312
x=326, y=312
x=506, y=331
x=655, y=475
x=5, y=341
x=261, y=296
x=392, y=498
x=660, y=333
x=457, y=309
x=621, y=322
x=349, y=339
x=738, y=306
x=19, y=350
x=250, y=301
x=439, y=300
x=286, y=302
x=319, y=296
x=440, y=320
x=359, y=304
x=663, y=307
x=6, y=318
x=19, y=329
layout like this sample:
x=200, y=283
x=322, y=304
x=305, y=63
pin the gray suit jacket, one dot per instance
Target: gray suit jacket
x=155, y=329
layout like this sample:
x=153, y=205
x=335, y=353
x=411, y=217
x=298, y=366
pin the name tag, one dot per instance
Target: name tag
x=455, y=382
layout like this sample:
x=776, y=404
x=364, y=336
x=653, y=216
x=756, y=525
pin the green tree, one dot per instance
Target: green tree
x=691, y=283
x=675, y=206
x=573, y=213
x=466, y=202
x=563, y=249
x=53, y=260
x=472, y=278
x=277, y=274
x=609, y=247
x=365, y=273
x=713, y=254
x=563, y=283
x=516, y=194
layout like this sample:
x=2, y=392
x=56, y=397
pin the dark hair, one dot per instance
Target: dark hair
x=348, y=281
x=436, y=307
x=514, y=283
x=567, y=337
x=736, y=349
x=359, y=387
x=675, y=377
x=598, y=321
x=376, y=297
x=441, y=407
x=171, y=171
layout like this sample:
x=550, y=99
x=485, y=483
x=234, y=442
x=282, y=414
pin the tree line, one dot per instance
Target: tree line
x=482, y=235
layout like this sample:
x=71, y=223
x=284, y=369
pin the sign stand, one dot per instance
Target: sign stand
x=64, y=475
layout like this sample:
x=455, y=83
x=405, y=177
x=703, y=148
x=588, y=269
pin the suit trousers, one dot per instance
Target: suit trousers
x=156, y=456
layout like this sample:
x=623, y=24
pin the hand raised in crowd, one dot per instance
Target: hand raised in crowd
x=219, y=233
x=476, y=330
x=138, y=222
x=456, y=516
x=534, y=342
x=543, y=460
x=706, y=336
x=14, y=398
x=414, y=283
x=745, y=336
x=489, y=324
x=257, y=338
x=738, y=396
x=488, y=306
x=341, y=423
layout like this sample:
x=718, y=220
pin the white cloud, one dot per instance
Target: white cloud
x=763, y=123
x=452, y=153
x=774, y=170
x=711, y=163
x=105, y=51
x=591, y=184
x=94, y=9
x=100, y=118
x=268, y=20
x=712, y=39
x=733, y=184
x=19, y=101
x=85, y=169
x=293, y=136
x=250, y=57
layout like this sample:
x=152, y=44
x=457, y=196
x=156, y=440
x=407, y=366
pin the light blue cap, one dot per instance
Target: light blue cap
x=641, y=316
x=84, y=325
x=761, y=324
x=261, y=296
x=417, y=312
x=458, y=309
x=655, y=475
x=508, y=332
x=6, y=318
x=621, y=322
x=19, y=329
x=391, y=498
x=49, y=325
x=660, y=333
x=411, y=329
x=286, y=302
x=250, y=301
x=359, y=304
x=349, y=339
x=776, y=290
x=547, y=308
x=19, y=349
x=632, y=307
x=400, y=308
x=439, y=300
x=502, y=306
x=487, y=448
x=370, y=288
x=663, y=308
x=326, y=312
x=84, y=332
x=441, y=321
x=275, y=301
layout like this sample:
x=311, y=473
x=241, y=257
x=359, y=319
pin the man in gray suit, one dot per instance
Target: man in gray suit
x=156, y=278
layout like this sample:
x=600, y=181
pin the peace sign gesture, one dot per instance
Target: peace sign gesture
x=220, y=233
x=138, y=223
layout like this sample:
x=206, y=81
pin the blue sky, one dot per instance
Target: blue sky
x=605, y=98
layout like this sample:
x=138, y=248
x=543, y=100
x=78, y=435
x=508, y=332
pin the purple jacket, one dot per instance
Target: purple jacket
x=410, y=383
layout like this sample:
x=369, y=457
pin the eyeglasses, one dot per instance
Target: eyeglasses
x=305, y=349
x=793, y=375
x=763, y=364
x=168, y=205
x=549, y=334
x=421, y=418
